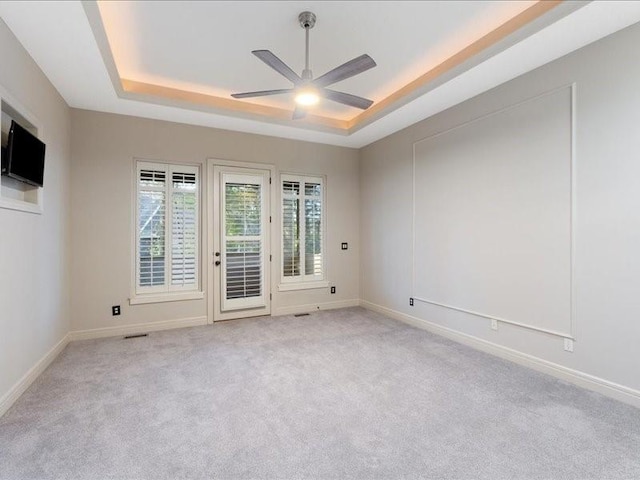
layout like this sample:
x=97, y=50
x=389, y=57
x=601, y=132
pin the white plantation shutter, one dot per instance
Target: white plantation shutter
x=313, y=229
x=167, y=234
x=290, y=228
x=151, y=227
x=184, y=229
x=302, y=229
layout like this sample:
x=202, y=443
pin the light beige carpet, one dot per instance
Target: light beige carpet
x=339, y=394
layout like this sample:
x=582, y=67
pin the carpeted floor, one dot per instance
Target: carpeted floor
x=339, y=394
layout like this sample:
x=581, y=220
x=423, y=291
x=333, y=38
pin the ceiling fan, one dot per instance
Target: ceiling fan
x=307, y=89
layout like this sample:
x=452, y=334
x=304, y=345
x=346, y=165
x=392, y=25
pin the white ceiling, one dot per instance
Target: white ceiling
x=205, y=47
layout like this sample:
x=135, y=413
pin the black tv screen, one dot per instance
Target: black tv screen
x=25, y=156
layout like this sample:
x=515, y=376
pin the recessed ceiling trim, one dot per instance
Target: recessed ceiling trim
x=134, y=90
x=465, y=59
x=92, y=11
x=526, y=23
x=181, y=98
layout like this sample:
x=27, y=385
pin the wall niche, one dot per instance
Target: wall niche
x=14, y=194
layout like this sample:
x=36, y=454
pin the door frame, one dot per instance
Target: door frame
x=213, y=203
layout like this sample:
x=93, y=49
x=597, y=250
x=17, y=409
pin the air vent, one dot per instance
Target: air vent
x=138, y=335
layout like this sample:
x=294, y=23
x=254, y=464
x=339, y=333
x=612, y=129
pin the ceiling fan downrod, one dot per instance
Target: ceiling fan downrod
x=307, y=21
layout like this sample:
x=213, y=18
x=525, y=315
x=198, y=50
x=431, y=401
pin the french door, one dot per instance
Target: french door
x=241, y=259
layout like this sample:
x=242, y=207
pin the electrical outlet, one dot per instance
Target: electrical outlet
x=333, y=289
x=345, y=246
x=115, y=310
x=568, y=345
x=411, y=302
x=494, y=324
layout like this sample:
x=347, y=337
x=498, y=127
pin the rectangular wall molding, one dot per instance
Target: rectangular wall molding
x=441, y=156
x=576, y=377
x=498, y=319
x=34, y=372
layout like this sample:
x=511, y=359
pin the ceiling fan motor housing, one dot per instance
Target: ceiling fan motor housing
x=307, y=19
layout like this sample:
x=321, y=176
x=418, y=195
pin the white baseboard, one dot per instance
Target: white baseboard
x=314, y=307
x=585, y=380
x=34, y=372
x=136, y=328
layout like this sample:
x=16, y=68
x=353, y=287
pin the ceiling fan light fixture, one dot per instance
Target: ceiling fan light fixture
x=307, y=97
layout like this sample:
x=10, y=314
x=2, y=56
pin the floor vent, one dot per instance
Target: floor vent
x=301, y=315
x=138, y=335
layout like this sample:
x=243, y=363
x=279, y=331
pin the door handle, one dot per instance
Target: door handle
x=217, y=263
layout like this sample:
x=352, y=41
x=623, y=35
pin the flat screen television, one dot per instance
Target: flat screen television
x=24, y=156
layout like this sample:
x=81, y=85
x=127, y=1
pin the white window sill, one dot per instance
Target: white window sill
x=165, y=297
x=286, y=287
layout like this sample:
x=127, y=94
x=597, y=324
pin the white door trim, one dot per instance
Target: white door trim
x=213, y=204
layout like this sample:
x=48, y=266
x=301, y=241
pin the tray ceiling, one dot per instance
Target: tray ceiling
x=180, y=61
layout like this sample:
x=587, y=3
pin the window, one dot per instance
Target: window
x=302, y=230
x=167, y=228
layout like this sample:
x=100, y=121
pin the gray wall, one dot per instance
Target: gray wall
x=34, y=253
x=606, y=226
x=103, y=150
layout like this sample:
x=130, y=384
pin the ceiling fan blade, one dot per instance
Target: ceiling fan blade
x=261, y=93
x=278, y=65
x=346, y=70
x=299, y=113
x=347, y=99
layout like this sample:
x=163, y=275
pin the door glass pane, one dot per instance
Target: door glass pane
x=243, y=208
x=243, y=241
